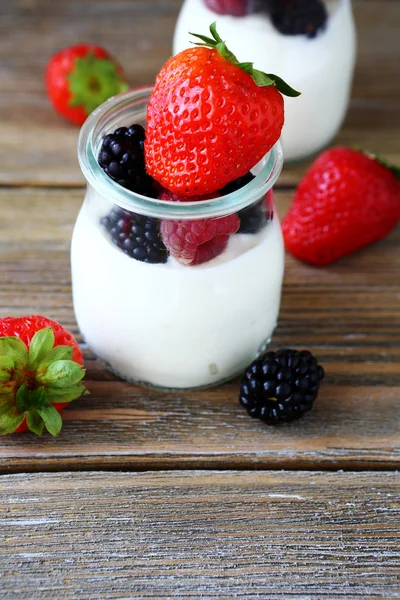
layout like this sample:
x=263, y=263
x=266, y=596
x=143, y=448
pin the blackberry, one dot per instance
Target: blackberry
x=121, y=157
x=236, y=184
x=136, y=235
x=298, y=17
x=281, y=386
x=253, y=217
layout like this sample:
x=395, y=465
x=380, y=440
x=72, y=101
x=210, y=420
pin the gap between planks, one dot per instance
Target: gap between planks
x=122, y=465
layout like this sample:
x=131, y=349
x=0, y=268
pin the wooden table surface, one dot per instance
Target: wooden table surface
x=151, y=494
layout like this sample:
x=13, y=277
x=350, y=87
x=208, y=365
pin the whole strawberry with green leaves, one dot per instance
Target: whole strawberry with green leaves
x=40, y=373
x=80, y=78
x=210, y=118
x=347, y=200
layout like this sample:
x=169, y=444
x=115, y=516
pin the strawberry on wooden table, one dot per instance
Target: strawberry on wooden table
x=80, y=78
x=40, y=373
x=347, y=200
x=210, y=118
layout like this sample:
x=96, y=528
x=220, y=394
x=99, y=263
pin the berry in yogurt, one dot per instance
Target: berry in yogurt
x=299, y=17
x=138, y=236
x=121, y=157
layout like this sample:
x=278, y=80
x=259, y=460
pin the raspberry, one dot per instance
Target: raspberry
x=281, y=386
x=193, y=242
x=236, y=8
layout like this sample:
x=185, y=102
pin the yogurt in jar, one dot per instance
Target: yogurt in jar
x=321, y=68
x=164, y=322
x=170, y=325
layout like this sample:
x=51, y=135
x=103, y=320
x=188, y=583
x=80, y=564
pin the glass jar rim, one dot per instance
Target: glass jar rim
x=88, y=145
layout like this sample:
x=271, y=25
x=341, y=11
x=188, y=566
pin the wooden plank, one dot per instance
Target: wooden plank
x=39, y=148
x=200, y=535
x=348, y=314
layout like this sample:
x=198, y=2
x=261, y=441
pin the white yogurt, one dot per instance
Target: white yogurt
x=320, y=68
x=171, y=325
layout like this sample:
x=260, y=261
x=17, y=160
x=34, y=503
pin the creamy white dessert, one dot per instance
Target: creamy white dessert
x=171, y=325
x=321, y=68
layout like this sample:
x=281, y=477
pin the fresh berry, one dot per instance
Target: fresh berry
x=254, y=217
x=347, y=200
x=137, y=235
x=80, y=78
x=193, y=242
x=235, y=8
x=210, y=119
x=121, y=157
x=281, y=386
x=299, y=17
x=171, y=197
x=40, y=373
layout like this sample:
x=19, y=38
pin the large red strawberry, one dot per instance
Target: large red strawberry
x=80, y=78
x=347, y=200
x=40, y=373
x=210, y=119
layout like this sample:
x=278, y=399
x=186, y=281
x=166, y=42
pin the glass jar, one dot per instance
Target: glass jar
x=167, y=324
x=321, y=68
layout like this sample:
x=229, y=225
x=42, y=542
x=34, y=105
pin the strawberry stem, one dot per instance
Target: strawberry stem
x=384, y=162
x=259, y=77
x=33, y=380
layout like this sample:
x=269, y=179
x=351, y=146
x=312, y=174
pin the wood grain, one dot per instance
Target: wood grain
x=348, y=314
x=38, y=148
x=200, y=535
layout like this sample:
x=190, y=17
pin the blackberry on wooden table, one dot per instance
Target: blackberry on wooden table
x=281, y=386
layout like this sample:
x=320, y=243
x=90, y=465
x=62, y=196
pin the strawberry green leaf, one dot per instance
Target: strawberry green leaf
x=207, y=40
x=41, y=344
x=35, y=422
x=281, y=85
x=22, y=398
x=93, y=80
x=260, y=78
x=14, y=348
x=6, y=368
x=58, y=395
x=10, y=418
x=62, y=374
x=58, y=353
x=51, y=418
x=26, y=399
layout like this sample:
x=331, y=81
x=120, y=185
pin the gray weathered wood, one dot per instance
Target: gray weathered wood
x=200, y=535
